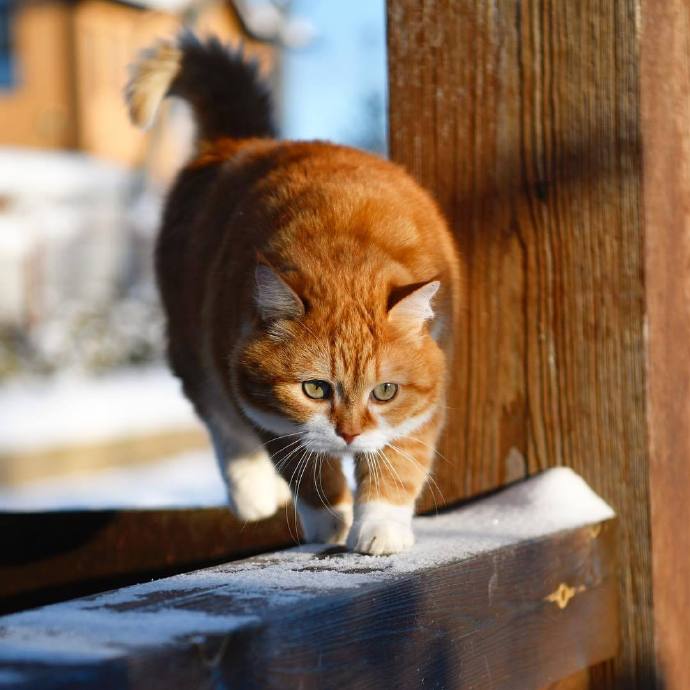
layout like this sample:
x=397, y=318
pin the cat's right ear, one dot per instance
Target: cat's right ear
x=275, y=299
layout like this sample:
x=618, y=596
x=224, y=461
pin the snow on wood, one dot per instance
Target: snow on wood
x=187, y=609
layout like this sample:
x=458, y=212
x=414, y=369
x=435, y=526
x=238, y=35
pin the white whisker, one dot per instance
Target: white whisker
x=277, y=438
x=294, y=495
x=374, y=468
x=431, y=448
x=390, y=466
x=321, y=492
x=284, y=460
x=427, y=475
x=304, y=463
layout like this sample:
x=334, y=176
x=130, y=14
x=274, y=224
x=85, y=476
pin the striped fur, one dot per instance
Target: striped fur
x=224, y=89
x=282, y=262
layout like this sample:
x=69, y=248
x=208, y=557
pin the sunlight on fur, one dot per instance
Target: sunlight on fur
x=310, y=291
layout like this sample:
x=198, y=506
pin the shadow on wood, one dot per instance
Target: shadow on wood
x=523, y=118
x=52, y=556
x=502, y=593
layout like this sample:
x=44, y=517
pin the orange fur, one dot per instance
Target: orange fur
x=343, y=229
x=345, y=240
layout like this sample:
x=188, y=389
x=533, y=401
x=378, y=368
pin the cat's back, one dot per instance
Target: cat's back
x=341, y=223
x=289, y=198
x=324, y=214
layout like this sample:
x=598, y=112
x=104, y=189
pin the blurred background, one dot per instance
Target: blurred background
x=89, y=415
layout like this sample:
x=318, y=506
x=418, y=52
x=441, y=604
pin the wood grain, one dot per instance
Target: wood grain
x=666, y=133
x=51, y=556
x=578, y=681
x=524, y=119
x=483, y=621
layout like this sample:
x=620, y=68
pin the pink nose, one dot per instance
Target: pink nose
x=348, y=438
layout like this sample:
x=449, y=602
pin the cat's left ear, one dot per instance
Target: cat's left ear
x=413, y=309
x=275, y=299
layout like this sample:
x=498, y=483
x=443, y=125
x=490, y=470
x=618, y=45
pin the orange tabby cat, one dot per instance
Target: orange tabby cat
x=310, y=291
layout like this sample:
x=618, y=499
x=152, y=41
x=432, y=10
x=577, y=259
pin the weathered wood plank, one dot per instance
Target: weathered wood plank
x=666, y=134
x=523, y=118
x=47, y=557
x=501, y=594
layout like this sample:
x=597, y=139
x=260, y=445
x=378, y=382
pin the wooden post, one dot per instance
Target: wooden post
x=666, y=135
x=524, y=119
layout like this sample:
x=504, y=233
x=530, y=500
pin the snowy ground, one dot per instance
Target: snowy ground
x=186, y=480
x=40, y=415
x=71, y=409
x=37, y=415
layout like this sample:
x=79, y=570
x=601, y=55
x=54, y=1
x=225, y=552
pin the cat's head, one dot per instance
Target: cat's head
x=344, y=376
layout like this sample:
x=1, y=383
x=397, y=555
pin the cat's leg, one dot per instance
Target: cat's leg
x=388, y=484
x=322, y=496
x=255, y=489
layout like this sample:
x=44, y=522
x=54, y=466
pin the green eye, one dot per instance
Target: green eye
x=385, y=392
x=317, y=390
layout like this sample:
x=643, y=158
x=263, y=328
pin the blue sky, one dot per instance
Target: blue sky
x=335, y=88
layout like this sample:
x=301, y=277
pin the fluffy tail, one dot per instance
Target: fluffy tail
x=225, y=91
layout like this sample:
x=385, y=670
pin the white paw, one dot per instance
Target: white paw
x=381, y=528
x=283, y=493
x=255, y=490
x=325, y=525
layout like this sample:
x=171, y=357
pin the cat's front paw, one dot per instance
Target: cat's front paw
x=381, y=529
x=380, y=538
x=255, y=489
x=325, y=525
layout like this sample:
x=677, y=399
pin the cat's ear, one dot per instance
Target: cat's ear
x=275, y=299
x=411, y=306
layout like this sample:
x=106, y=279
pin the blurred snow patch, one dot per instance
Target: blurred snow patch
x=55, y=175
x=61, y=222
x=70, y=409
x=182, y=481
x=76, y=278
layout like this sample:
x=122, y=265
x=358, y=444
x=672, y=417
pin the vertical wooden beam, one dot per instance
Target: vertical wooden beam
x=524, y=119
x=666, y=135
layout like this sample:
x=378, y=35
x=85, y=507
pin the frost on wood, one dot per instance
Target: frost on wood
x=187, y=608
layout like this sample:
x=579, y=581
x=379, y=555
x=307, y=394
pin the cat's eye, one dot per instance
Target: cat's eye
x=317, y=390
x=385, y=392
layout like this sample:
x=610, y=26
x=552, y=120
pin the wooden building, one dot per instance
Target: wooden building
x=63, y=67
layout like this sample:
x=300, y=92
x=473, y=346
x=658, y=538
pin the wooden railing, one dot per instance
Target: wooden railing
x=526, y=120
x=514, y=591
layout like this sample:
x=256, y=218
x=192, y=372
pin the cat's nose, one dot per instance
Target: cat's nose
x=348, y=438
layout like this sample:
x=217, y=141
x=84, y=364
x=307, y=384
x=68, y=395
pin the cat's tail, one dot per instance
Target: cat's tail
x=227, y=96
